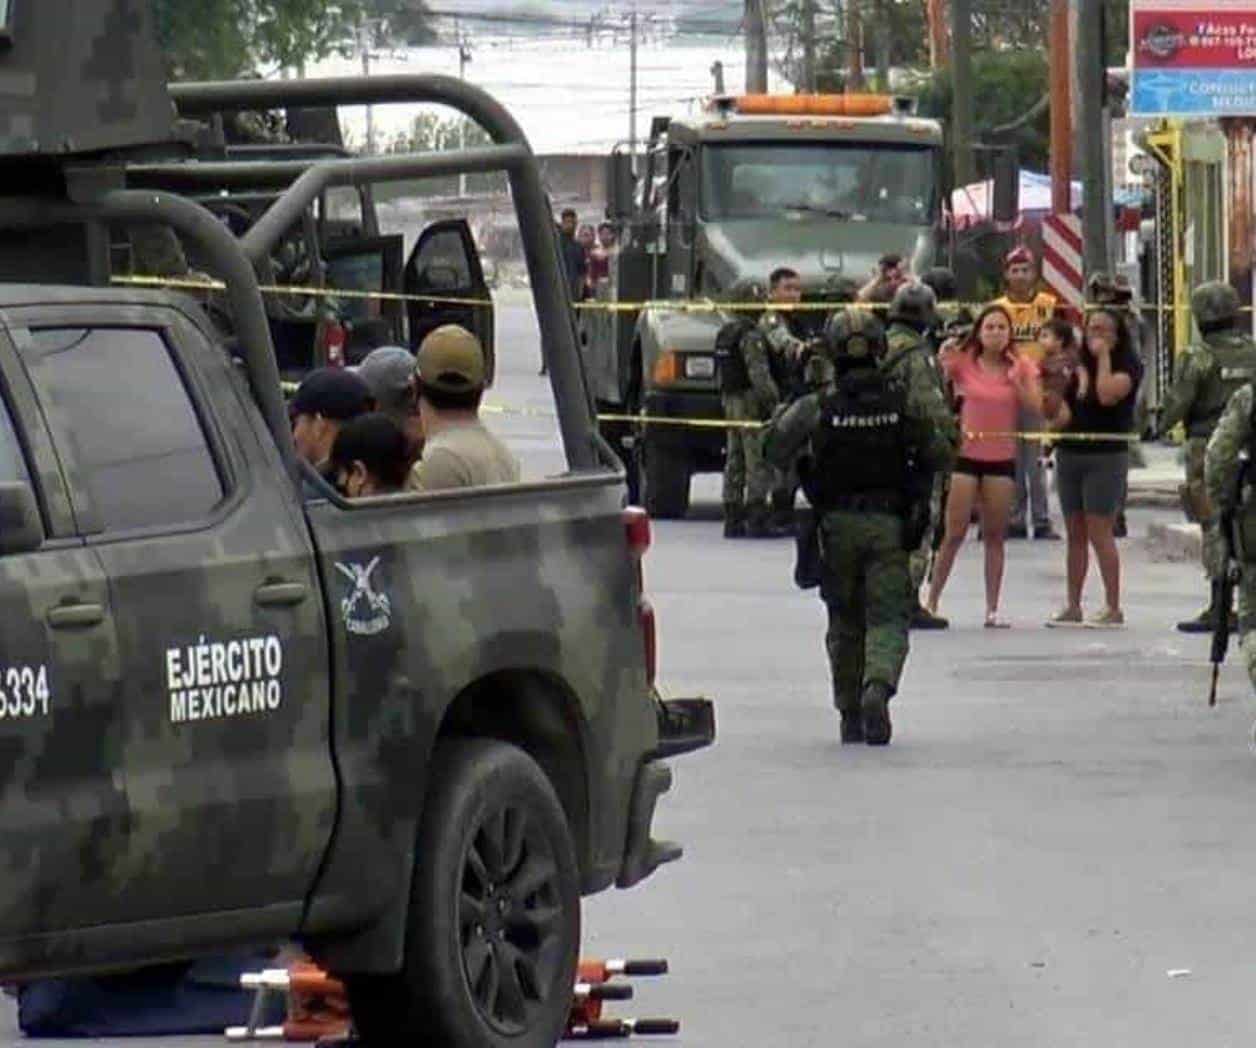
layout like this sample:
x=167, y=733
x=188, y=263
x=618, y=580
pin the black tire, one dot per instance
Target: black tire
x=665, y=479
x=493, y=930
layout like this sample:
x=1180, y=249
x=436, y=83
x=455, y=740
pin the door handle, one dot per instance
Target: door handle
x=281, y=594
x=69, y=616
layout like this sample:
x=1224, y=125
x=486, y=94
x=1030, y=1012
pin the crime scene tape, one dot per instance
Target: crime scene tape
x=587, y=306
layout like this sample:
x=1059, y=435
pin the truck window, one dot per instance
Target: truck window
x=442, y=264
x=114, y=396
x=12, y=462
x=859, y=182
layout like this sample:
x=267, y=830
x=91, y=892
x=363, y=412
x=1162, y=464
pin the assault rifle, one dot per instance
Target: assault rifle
x=1222, y=600
x=1224, y=583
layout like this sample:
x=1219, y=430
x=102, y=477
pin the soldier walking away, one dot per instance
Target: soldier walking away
x=910, y=359
x=786, y=353
x=1206, y=376
x=871, y=448
x=749, y=394
x=1228, y=485
x=1029, y=309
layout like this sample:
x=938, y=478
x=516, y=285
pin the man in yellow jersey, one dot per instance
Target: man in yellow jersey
x=1030, y=309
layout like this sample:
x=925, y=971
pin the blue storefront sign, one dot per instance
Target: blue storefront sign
x=1193, y=92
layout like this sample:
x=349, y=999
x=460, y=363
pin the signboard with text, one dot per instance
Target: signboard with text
x=1193, y=58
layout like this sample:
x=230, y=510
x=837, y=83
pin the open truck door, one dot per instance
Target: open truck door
x=447, y=281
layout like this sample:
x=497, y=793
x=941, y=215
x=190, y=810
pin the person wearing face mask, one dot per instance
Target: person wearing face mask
x=1101, y=399
x=995, y=384
x=370, y=457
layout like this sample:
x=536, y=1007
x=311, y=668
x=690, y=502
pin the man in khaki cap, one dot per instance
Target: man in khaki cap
x=458, y=451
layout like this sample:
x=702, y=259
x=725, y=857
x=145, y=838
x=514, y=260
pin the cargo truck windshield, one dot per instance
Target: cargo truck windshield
x=858, y=182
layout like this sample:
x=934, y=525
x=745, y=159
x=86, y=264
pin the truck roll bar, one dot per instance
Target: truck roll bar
x=559, y=341
x=221, y=251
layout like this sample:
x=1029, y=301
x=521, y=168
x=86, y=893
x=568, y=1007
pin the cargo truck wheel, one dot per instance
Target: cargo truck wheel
x=493, y=931
x=665, y=478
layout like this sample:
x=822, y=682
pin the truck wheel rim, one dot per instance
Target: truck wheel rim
x=511, y=919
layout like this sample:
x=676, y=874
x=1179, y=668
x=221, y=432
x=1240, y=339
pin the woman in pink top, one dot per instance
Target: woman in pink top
x=993, y=384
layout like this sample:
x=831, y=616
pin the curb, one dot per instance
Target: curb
x=1174, y=542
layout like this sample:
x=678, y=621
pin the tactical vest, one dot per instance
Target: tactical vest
x=1233, y=365
x=730, y=357
x=860, y=445
x=894, y=364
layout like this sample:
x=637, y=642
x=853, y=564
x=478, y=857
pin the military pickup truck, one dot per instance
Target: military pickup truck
x=408, y=732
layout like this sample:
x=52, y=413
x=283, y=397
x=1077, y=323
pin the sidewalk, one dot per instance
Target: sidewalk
x=1156, y=484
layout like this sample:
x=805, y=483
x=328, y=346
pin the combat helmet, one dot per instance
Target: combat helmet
x=941, y=280
x=854, y=335
x=1105, y=289
x=1215, y=305
x=915, y=305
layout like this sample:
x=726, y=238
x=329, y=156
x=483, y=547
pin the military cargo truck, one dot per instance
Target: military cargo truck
x=235, y=708
x=822, y=184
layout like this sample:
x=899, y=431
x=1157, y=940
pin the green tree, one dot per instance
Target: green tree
x=1006, y=86
x=230, y=38
x=432, y=133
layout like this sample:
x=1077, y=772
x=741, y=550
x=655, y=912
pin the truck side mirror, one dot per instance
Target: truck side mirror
x=621, y=187
x=21, y=527
x=1006, y=195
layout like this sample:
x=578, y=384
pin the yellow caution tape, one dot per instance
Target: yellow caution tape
x=588, y=305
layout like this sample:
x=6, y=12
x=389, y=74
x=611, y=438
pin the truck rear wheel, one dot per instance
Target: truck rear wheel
x=493, y=931
x=665, y=478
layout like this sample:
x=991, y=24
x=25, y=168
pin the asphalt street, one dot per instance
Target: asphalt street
x=1057, y=849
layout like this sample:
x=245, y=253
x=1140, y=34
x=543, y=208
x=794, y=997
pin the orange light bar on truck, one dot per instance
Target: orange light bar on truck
x=814, y=105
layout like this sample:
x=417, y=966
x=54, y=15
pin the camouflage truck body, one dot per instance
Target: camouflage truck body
x=235, y=708
x=510, y=612
x=725, y=199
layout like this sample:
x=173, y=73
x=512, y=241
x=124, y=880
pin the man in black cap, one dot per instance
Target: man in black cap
x=326, y=399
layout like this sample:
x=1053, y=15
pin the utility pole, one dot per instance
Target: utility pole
x=962, y=92
x=939, y=47
x=1091, y=73
x=364, y=45
x=632, y=87
x=854, y=47
x=464, y=59
x=809, y=46
x=1061, y=110
x=756, y=49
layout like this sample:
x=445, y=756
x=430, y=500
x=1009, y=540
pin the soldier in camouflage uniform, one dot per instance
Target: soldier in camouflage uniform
x=749, y=394
x=1206, y=376
x=786, y=355
x=1223, y=463
x=910, y=359
x=868, y=438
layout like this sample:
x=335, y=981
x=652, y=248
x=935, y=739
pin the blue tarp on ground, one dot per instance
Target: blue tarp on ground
x=200, y=997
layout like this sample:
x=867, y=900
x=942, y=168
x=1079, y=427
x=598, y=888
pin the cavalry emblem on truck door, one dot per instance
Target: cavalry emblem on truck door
x=365, y=612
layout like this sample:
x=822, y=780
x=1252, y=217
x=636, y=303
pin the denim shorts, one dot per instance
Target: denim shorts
x=1091, y=482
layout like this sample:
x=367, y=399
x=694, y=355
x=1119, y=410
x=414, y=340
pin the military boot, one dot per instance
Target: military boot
x=1201, y=623
x=923, y=619
x=734, y=521
x=758, y=521
x=852, y=729
x=876, y=713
